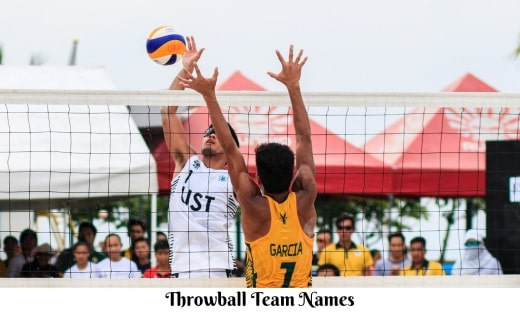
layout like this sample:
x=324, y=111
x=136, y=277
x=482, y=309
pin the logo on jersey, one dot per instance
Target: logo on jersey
x=222, y=178
x=196, y=164
x=283, y=217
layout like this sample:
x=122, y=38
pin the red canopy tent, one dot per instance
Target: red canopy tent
x=341, y=167
x=440, y=152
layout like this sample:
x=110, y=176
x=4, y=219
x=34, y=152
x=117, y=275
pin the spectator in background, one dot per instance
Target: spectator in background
x=82, y=268
x=136, y=229
x=86, y=233
x=419, y=266
x=142, y=254
x=11, y=249
x=396, y=260
x=327, y=269
x=162, y=254
x=115, y=265
x=323, y=238
x=350, y=258
x=28, y=241
x=376, y=256
x=3, y=269
x=160, y=236
x=476, y=259
x=40, y=266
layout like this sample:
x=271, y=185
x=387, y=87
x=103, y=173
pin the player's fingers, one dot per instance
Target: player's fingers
x=200, y=53
x=215, y=73
x=273, y=75
x=291, y=53
x=190, y=44
x=197, y=70
x=304, y=61
x=193, y=44
x=298, y=57
x=280, y=57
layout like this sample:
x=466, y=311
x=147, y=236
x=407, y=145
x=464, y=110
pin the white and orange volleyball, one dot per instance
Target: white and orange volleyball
x=165, y=45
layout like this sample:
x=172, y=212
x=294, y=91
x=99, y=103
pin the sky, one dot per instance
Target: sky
x=353, y=46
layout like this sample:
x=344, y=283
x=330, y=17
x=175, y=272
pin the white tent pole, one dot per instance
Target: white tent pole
x=153, y=225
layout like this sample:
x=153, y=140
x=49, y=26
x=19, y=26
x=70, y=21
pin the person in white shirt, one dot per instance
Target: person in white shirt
x=475, y=258
x=115, y=265
x=397, y=258
x=83, y=268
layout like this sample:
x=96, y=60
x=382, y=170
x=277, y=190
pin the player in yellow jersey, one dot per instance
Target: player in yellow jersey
x=278, y=214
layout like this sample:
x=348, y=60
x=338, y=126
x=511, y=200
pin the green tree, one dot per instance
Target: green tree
x=385, y=214
x=120, y=211
x=450, y=208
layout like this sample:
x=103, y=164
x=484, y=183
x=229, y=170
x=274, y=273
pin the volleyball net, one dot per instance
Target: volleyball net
x=418, y=163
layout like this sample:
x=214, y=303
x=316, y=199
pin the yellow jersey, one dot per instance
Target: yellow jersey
x=350, y=262
x=283, y=257
x=429, y=268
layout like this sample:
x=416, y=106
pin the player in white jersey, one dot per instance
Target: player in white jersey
x=202, y=202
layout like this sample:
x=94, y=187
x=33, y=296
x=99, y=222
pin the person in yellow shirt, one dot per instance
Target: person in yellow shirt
x=419, y=266
x=278, y=213
x=350, y=258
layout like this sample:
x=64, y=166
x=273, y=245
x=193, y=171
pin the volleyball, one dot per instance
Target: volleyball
x=165, y=45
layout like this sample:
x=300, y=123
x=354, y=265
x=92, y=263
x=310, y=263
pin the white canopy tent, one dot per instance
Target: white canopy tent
x=63, y=156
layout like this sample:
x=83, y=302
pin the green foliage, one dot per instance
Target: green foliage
x=1, y=54
x=120, y=211
x=381, y=212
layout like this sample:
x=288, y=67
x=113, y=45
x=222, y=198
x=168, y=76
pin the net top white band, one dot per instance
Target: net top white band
x=259, y=98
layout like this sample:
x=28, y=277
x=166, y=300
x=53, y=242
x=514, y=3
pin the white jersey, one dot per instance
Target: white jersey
x=124, y=268
x=90, y=271
x=200, y=219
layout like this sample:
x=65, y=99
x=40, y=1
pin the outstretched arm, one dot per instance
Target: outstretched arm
x=173, y=129
x=243, y=186
x=304, y=181
x=290, y=77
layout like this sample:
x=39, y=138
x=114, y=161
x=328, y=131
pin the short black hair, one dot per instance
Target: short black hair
x=86, y=224
x=374, y=252
x=113, y=235
x=275, y=165
x=80, y=243
x=233, y=133
x=346, y=216
x=26, y=233
x=161, y=244
x=418, y=239
x=10, y=238
x=140, y=239
x=396, y=234
x=136, y=221
x=328, y=266
x=324, y=229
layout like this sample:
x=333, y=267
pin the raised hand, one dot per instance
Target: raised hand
x=199, y=83
x=291, y=68
x=191, y=55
